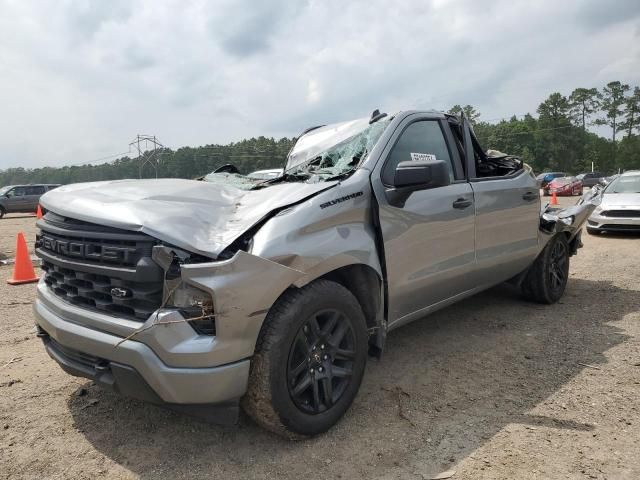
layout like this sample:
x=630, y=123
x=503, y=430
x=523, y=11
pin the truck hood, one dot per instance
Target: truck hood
x=620, y=200
x=200, y=217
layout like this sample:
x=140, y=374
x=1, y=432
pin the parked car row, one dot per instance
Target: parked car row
x=564, y=186
x=588, y=179
x=22, y=198
x=562, y=183
x=619, y=210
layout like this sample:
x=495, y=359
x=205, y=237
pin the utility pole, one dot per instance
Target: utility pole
x=149, y=151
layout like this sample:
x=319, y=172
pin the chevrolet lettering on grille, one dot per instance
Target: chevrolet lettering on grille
x=87, y=250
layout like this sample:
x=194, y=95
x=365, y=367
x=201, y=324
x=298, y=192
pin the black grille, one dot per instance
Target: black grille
x=100, y=268
x=621, y=213
x=618, y=227
x=139, y=300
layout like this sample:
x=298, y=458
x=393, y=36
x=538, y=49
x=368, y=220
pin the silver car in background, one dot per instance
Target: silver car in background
x=22, y=198
x=619, y=210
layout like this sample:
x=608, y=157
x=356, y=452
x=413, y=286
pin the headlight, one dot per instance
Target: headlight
x=192, y=303
x=567, y=220
x=598, y=209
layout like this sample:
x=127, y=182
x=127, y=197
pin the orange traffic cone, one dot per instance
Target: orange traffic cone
x=39, y=212
x=554, y=199
x=23, y=269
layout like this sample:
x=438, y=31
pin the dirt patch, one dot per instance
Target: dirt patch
x=492, y=387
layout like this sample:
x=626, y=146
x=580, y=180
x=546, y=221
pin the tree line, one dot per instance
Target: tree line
x=557, y=138
x=186, y=162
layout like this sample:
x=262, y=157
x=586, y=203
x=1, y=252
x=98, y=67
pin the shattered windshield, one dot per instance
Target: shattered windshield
x=334, y=150
x=325, y=153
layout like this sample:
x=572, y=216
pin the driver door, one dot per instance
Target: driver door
x=429, y=238
x=16, y=200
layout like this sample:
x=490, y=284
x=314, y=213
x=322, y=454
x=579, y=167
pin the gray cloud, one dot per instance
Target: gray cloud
x=245, y=28
x=81, y=78
x=85, y=18
x=597, y=14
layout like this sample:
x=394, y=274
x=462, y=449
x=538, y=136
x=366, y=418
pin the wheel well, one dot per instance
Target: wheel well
x=364, y=283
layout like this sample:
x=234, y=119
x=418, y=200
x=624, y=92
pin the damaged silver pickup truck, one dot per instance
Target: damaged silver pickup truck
x=271, y=294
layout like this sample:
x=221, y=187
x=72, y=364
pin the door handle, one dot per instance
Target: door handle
x=462, y=203
x=530, y=196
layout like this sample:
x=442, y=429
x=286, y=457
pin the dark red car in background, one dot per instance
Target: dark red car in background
x=564, y=186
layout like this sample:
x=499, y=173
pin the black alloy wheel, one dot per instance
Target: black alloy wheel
x=320, y=364
x=309, y=361
x=546, y=279
x=558, y=266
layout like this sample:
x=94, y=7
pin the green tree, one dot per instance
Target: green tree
x=632, y=113
x=469, y=111
x=613, y=99
x=583, y=103
x=629, y=153
x=555, y=137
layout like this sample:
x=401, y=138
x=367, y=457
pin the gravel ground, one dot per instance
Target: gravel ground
x=492, y=387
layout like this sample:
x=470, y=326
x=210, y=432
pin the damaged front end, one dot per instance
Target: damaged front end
x=568, y=220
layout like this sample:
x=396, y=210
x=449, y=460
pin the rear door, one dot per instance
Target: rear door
x=429, y=237
x=32, y=197
x=507, y=219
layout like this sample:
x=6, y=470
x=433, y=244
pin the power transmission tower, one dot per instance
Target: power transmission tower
x=149, y=150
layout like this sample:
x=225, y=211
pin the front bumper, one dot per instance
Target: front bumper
x=119, y=366
x=598, y=222
x=179, y=366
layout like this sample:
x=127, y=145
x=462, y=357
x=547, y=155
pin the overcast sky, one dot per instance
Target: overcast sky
x=79, y=79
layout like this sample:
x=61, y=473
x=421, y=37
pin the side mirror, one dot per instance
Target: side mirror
x=421, y=175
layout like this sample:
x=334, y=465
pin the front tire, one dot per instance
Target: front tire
x=547, y=278
x=309, y=361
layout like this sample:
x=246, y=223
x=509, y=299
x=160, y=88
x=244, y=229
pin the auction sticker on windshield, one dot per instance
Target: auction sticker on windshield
x=423, y=157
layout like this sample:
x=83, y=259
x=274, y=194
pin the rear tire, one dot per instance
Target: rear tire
x=2, y=212
x=309, y=361
x=547, y=278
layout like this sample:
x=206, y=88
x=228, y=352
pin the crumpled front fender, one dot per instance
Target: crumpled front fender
x=568, y=220
x=243, y=289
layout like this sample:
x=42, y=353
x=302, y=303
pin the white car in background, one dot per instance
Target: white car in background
x=620, y=207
